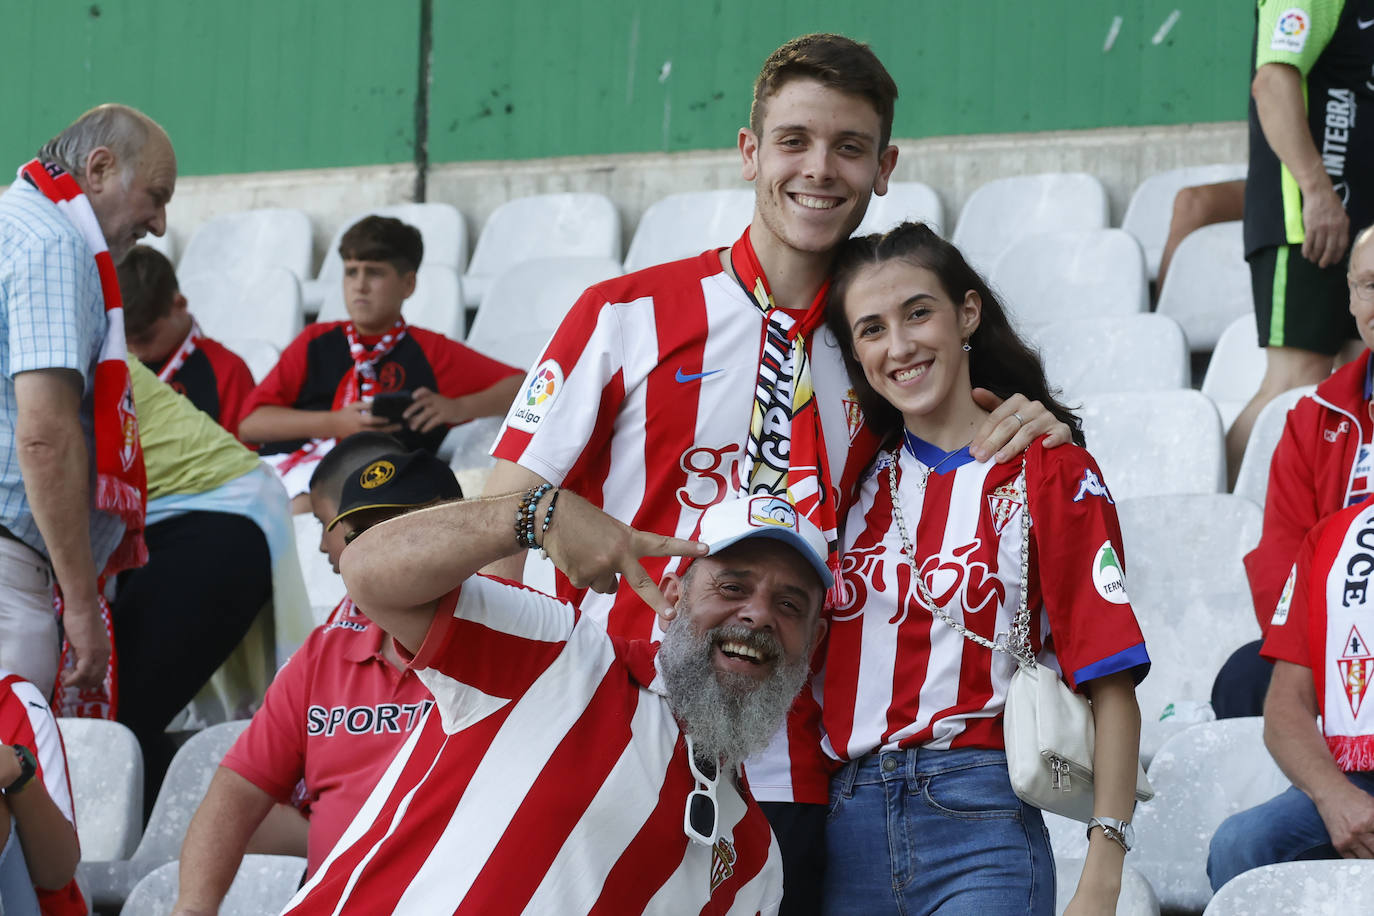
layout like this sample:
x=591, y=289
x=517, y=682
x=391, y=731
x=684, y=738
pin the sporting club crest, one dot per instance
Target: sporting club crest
x=723, y=858
x=853, y=415
x=1003, y=503
x=1356, y=664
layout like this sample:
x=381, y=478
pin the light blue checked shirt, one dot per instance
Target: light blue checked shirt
x=52, y=315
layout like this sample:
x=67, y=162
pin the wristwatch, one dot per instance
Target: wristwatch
x=27, y=767
x=1120, y=831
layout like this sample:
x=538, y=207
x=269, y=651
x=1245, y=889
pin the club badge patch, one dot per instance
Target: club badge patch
x=723, y=858
x=1003, y=503
x=1108, y=577
x=1285, y=599
x=544, y=385
x=853, y=415
x=1355, y=665
x=1290, y=31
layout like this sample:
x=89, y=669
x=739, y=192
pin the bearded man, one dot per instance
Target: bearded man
x=562, y=769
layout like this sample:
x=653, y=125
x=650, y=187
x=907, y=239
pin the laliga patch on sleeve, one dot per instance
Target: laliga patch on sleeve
x=1108, y=577
x=1291, y=30
x=1285, y=599
x=544, y=385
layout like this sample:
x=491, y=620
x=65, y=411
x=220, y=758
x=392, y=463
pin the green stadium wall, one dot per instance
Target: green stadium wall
x=259, y=86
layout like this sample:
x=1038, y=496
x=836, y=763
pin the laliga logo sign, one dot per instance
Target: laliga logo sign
x=545, y=383
x=772, y=510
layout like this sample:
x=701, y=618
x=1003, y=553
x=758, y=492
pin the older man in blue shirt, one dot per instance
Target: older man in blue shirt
x=52, y=325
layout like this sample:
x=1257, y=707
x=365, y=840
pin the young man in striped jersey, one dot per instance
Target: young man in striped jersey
x=565, y=770
x=670, y=389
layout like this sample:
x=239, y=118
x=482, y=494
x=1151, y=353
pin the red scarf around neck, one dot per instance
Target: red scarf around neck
x=121, y=487
x=805, y=482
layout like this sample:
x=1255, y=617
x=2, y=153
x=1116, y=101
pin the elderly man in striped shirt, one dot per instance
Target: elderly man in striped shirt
x=564, y=770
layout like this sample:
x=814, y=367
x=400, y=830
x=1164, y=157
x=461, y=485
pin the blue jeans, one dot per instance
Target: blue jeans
x=922, y=831
x=16, y=890
x=1287, y=828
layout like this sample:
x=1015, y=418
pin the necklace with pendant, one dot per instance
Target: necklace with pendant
x=925, y=471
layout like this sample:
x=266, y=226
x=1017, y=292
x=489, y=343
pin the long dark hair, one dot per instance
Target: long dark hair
x=999, y=361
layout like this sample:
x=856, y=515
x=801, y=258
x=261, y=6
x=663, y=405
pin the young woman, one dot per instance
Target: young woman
x=923, y=818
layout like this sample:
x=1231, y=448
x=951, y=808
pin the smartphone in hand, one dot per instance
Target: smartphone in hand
x=391, y=405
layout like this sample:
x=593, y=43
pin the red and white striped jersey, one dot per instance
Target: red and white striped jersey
x=641, y=404
x=25, y=718
x=551, y=777
x=896, y=676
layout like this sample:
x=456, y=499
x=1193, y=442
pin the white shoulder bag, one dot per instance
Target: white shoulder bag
x=1047, y=727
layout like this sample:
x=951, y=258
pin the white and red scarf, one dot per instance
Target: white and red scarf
x=358, y=385
x=1339, y=619
x=786, y=446
x=121, y=486
x=183, y=353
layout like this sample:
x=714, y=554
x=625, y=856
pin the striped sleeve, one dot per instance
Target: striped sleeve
x=578, y=379
x=25, y=718
x=489, y=642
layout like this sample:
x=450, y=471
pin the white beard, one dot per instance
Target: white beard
x=728, y=716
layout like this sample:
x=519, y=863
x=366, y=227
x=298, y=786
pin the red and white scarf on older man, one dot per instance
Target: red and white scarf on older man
x=121, y=486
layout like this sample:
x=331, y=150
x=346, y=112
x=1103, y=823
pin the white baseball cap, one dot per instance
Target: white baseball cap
x=765, y=516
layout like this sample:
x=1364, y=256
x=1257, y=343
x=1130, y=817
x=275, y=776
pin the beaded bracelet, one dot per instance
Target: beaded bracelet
x=524, y=515
x=548, y=518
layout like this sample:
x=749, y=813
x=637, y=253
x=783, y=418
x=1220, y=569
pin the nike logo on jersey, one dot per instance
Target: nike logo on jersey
x=1364, y=24
x=685, y=377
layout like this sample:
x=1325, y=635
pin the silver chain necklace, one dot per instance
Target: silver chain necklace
x=1016, y=642
x=927, y=471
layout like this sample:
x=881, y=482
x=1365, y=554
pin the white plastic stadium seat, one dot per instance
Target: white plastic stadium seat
x=1187, y=584
x=1201, y=777
x=1002, y=211
x=1102, y=355
x=248, y=242
x=188, y=776
x=581, y=225
x=1332, y=887
x=264, y=306
x=1137, y=897
x=1235, y=370
x=1072, y=273
x=441, y=226
x=905, y=201
x=1252, y=480
x=263, y=884
x=525, y=305
x=436, y=304
x=1156, y=442
x=1208, y=285
x=105, y=766
x=681, y=225
x=260, y=355
x=322, y=584
x=1151, y=209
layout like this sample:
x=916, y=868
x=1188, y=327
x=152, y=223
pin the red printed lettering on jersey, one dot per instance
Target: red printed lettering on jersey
x=860, y=570
x=712, y=473
x=973, y=583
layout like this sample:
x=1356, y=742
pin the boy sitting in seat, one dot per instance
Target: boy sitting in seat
x=162, y=333
x=324, y=387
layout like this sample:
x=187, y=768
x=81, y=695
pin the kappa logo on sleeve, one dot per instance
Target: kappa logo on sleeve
x=1285, y=599
x=544, y=385
x=1092, y=485
x=1291, y=31
x=1108, y=578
